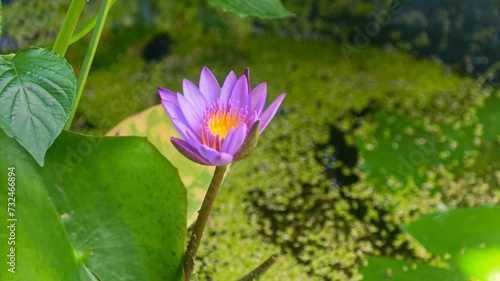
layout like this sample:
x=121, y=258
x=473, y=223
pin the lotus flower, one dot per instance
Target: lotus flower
x=218, y=125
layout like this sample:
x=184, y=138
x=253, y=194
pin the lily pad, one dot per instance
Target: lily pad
x=411, y=151
x=110, y=207
x=481, y=264
x=451, y=234
x=467, y=239
x=154, y=124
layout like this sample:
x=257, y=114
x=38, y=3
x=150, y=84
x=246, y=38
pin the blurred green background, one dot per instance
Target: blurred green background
x=390, y=114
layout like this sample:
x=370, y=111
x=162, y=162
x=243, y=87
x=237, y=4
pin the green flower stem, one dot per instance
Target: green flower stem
x=257, y=273
x=201, y=221
x=69, y=24
x=89, y=57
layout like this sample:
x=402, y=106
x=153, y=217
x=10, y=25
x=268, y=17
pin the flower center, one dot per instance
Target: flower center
x=216, y=125
x=220, y=123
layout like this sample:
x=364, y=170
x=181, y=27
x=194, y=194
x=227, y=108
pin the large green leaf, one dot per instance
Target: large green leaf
x=452, y=232
x=37, y=92
x=481, y=264
x=157, y=127
x=112, y=206
x=461, y=236
x=41, y=248
x=380, y=268
x=259, y=8
x=468, y=239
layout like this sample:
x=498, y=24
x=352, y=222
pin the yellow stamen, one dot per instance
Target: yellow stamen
x=219, y=122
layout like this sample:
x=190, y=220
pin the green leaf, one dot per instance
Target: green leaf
x=449, y=233
x=380, y=268
x=488, y=117
x=259, y=8
x=41, y=248
x=37, y=92
x=112, y=206
x=480, y=264
x=412, y=150
x=462, y=235
x=157, y=127
x=468, y=239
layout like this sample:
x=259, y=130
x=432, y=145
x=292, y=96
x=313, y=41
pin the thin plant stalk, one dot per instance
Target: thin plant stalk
x=68, y=27
x=86, y=28
x=201, y=221
x=89, y=57
x=491, y=70
x=257, y=273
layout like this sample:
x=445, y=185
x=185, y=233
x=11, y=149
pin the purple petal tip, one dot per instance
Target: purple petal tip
x=246, y=73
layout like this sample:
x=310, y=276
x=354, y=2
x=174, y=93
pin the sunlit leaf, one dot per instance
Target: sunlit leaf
x=480, y=264
x=452, y=232
x=468, y=239
x=37, y=92
x=155, y=124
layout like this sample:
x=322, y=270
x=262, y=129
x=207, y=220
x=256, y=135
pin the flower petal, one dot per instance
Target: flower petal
x=246, y=73
x=215, y=157
x=193, y=140
x=250, y=142
x=194, y=96
x=209, y=86
x=188, y=110
x=166, y=94
x=171, y=106
x=170, y=102
x=188, y=151
x=183, y=129
x=227, y=87
x=270, y=111
x=234, y=139
x=258, y=96
x=240, y=95
x=193, y=117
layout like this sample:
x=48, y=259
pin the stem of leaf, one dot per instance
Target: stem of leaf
x=201, y=221
x=86, y=28
x=491, y=70
x=69, y=24
x=257, y=273
x=89, y=57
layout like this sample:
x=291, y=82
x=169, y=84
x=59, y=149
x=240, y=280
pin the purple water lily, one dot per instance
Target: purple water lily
x=218, y=125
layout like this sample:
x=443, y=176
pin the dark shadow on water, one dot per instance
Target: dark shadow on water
x=157, y=48
x=344, y=156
